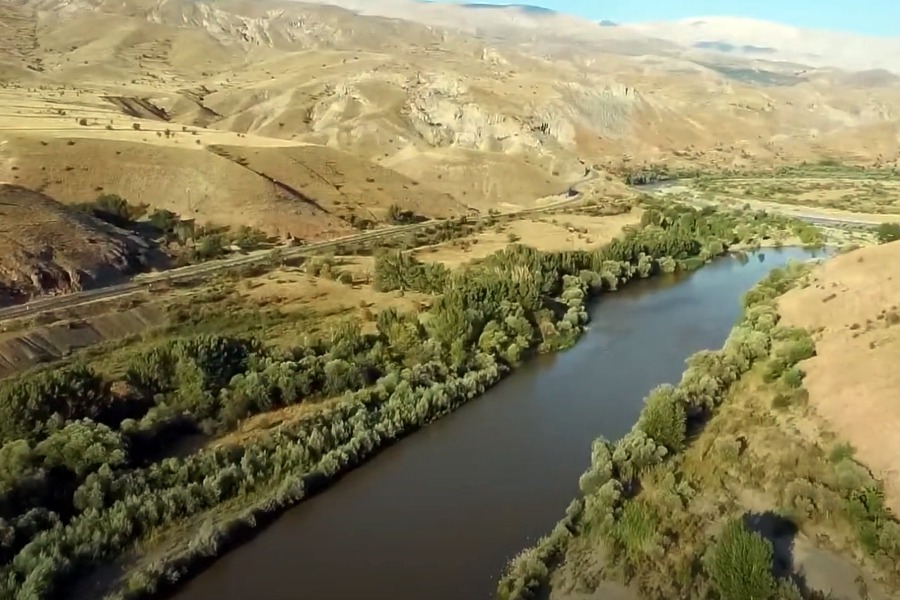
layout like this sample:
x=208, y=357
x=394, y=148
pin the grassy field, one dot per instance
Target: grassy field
x=839, y=189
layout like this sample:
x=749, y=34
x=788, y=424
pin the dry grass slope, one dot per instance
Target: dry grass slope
x=342, y=185
x=853, y=308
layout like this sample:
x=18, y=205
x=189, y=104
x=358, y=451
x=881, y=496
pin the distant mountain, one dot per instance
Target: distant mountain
x=726, y=47
x=754, y=39
x=526, y=8
x=698, y=38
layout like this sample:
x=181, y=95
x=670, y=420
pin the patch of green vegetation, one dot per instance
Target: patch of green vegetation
x=114, y=209
x=739, y=564
x=89, y=469
x=395, y=270
x=824, y=168
x=196, y=243
x=847, y=194
x=826, y=171
x=649, y=174
x=398, y=216
x=756, y=76
x=888, y=232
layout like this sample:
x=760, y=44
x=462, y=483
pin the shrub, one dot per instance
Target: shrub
x=164, y=220
x=210, y=246
x=636, y=529
x=888, y=232
x=793, y=377
x=798, y=350
x=398, y=216
x=601, y=469
x=664, y=419
x=740, y=564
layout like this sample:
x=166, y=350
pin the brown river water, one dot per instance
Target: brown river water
x=438, y=515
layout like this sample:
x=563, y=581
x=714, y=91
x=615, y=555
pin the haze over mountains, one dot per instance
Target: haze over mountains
x=751, y=38
x=732, y=36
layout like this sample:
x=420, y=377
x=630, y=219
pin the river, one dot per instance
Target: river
x=438, y=515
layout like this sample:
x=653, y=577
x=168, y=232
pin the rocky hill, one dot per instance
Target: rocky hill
x=46, y=247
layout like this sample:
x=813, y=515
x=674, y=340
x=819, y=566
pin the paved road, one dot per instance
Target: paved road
x=809, y=216
x=208, y=269
x=812, y=218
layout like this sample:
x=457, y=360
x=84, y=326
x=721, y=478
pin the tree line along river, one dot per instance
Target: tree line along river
x=439, y=514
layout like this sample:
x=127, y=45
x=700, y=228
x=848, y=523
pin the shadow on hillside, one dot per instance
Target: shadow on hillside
x=781, y=533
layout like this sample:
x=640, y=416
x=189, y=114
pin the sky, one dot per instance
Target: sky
x=871, y=17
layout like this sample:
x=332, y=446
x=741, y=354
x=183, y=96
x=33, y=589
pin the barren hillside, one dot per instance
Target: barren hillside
x=45, y=247
x=330, y=115
x=853, y=309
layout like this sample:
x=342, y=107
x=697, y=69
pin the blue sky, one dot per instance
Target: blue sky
x=874, y=17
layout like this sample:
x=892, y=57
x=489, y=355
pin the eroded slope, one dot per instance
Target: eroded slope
x=46, y=248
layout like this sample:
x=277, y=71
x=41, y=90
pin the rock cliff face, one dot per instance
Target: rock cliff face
x=445, y=112
x=47, y=248
x=442, y=111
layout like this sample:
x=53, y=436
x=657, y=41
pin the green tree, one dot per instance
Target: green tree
x=210, y=246
x=164, y=220
x=663, y=418
x=248, y=238
x=184, y=230
x=398, y=216
x=888, y=232
x=740, y=564
x=113, y=205
x=82, y=446
x=276, y=257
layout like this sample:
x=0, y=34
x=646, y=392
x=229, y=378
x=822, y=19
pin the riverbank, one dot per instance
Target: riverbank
x=727, y=457
x=521, y=300
x=509, y=462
